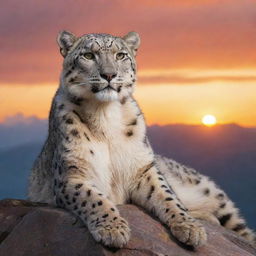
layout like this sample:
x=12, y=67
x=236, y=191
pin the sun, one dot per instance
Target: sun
x=209, y=120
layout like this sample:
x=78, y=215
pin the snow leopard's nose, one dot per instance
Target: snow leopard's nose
x=108, y=76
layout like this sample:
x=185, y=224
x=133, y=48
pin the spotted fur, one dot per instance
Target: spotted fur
x=203, y=198
x=97, y=154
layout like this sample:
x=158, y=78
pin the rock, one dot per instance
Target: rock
x=34, y=229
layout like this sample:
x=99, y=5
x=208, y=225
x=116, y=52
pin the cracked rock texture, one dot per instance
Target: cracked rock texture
x=32, y=229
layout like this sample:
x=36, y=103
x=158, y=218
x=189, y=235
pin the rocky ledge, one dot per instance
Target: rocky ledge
x=32, y=229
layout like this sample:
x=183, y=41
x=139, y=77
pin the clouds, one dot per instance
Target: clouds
x=175, y=34
x=195, y=76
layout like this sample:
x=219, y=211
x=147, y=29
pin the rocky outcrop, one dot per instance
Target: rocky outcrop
x=32, y=229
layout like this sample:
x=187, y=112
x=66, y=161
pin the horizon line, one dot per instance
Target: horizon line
x=20, y=118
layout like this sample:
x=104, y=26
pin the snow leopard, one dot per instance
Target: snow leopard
x=97, y=154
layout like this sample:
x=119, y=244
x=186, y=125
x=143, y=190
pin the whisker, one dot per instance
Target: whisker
x=76, y=83
x=97, y=83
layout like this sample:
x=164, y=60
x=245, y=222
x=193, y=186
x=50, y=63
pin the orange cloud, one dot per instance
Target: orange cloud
x=176, y=3
x=205, y=34
x=200, y=76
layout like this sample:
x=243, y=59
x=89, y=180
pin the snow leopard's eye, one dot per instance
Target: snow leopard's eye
x=120, y=55
x=89, y=56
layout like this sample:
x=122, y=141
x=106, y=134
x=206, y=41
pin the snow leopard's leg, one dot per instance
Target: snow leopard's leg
x=152, y=192
x=75, y=183
x=203, y=198
x=80, y=196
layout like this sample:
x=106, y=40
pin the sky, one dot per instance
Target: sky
x=196, y=57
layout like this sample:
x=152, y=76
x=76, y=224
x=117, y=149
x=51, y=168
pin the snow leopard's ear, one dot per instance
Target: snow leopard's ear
x=65, y=41
x=132, y=39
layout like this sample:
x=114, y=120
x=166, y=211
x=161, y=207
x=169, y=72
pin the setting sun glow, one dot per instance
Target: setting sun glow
x=178, y=82
x=209, y=120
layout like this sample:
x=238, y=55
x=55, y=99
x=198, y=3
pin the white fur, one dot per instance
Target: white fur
x=106, y=95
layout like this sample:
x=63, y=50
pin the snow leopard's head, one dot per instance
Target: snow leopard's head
x=99, y=66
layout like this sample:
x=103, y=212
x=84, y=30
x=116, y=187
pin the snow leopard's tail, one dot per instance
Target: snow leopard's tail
x=229, y=217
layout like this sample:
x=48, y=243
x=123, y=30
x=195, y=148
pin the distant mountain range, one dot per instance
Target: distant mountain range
x=19, y=130
x=226, y=153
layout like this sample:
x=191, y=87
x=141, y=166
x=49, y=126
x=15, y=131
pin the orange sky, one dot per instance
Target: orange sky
x=196, y=57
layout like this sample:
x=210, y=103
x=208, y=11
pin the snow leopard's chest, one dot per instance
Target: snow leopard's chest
x=116, y=161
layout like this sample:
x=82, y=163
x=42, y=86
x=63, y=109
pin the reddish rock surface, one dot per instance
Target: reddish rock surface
x=31, y=229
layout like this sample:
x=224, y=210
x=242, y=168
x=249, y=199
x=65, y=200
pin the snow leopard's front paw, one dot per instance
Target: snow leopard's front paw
x=189, y=232
x=114, y=232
